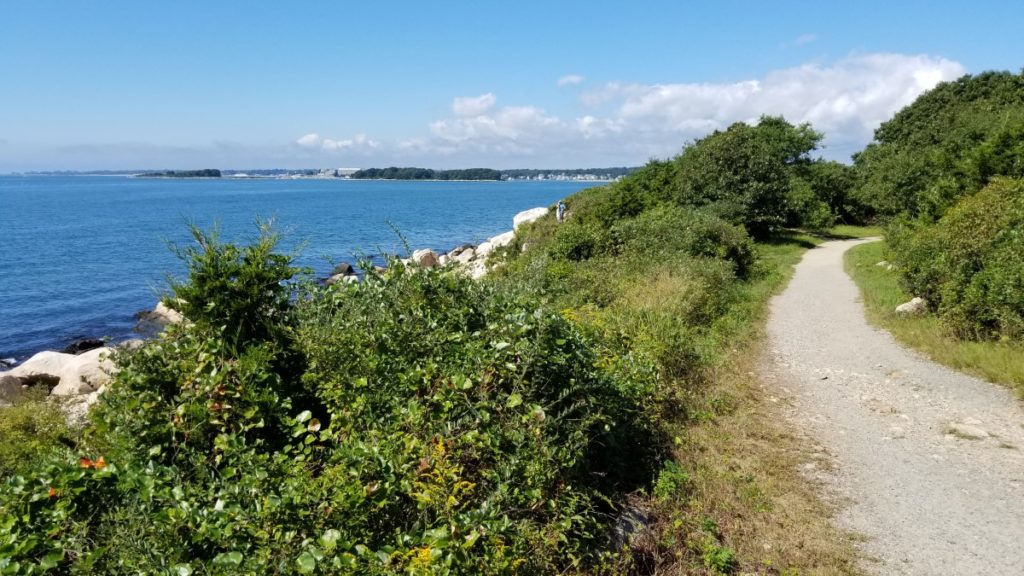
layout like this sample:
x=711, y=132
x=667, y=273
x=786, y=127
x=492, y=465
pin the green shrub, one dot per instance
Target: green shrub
x=968, y=264
x=30, y=429
x=416, y=422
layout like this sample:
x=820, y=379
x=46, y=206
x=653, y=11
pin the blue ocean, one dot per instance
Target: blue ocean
x=82, y=254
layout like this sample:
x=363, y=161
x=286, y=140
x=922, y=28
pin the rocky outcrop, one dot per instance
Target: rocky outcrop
x=527, y=216
x=425, y=258
x=83, y=345
x=915, y=307
x=343, y=269
x=64, y=374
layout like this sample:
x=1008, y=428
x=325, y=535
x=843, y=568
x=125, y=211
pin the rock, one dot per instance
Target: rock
x=633, y=522
x=484, y=250
x=43, y=368
x=7, y=362
x=10, y=388
x=477, y=269
x=443, y=260
x=341, y=278
x=83, y=345
x=967, y=431
x=528, y=216
x=460, y=249
x=66, y=374
x=343, y=269
x=914, y=307
x=425, y=258
x=465, y=256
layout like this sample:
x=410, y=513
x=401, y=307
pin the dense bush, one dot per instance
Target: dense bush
x=968, y=264
x=947, y=144
x=30, y=429
x=416, y=422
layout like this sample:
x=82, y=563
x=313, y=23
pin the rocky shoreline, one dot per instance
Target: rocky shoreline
x=77, y=376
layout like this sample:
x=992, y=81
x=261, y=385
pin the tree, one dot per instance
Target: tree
x=744, y=173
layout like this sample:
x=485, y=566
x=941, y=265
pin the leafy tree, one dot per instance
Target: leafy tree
x=743, y=174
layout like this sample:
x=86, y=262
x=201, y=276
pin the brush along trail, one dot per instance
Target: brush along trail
x=925, y=463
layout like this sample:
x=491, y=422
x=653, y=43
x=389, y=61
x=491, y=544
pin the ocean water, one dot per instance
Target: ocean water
x=80, y=255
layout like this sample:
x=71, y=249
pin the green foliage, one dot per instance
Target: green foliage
x=968, y=265
x=416, y=422
x=744, y=173
x=238, y=290
x=31, y=428
x=672, y=482
x=949, y=143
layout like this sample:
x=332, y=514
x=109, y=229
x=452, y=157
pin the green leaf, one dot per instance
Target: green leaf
x=228, y=559
x=306, y=563
x=501, y=345
x=514, y=400
x=51, y=560
x=330, y=539
x=183, y=570
x=303, y=416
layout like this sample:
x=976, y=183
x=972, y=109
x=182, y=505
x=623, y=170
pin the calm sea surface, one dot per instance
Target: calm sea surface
x=79, y=255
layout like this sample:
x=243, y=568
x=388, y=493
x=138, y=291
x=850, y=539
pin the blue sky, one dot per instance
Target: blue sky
x=91, y=85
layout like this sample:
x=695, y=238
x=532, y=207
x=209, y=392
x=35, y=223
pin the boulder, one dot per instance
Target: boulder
x=528, y=216
x=83, y=345
x=443, y=260
x=66, y=374
x=10, y=388
x=341, y=278
x=460, y=249
x=425, y=258
x=913, y=308
x=484, y=250
x=85, y=374
x=465, y=256
x=343, y=269
x=7, y=362
x=477, y=269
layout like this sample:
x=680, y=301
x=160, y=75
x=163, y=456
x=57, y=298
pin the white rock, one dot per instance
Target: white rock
x=914, y=307
x=443, y=260
x=86, y=373
x=165, y=314
x=425, y=258
x=967, y=431
x=528, y=216
x=465, y=256
x=69, y=374
x=342, y=278
x=45, y=366
x=477, y=269
x=503, y=239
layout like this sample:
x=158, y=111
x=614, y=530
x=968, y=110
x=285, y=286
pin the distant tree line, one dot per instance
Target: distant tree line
x=204, y=173
x=409, y=173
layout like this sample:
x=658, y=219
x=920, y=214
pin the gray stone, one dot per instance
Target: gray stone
x=913, y=308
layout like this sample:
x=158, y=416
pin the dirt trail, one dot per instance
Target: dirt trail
x=927, y=463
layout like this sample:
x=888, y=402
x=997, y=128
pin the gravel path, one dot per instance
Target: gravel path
x=927, y=463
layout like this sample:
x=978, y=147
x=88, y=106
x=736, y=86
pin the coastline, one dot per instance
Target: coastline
x=453, y=253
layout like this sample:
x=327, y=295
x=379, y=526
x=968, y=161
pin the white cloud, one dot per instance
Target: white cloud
x=847, y=100
x=357, y=143
x=473, y=105
x=804, y=39
x=570, y=80
x=628, y=123
x=309, y=141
